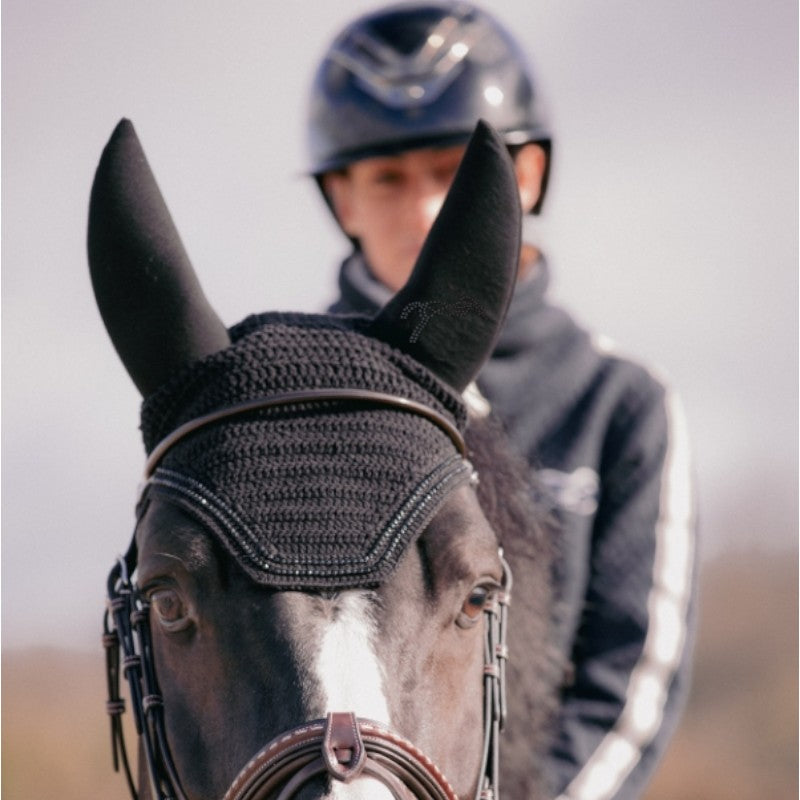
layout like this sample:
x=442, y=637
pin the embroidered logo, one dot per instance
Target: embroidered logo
x=428, y=309
x=576, y=491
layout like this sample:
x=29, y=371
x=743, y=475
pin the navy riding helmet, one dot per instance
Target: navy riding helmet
x=419, y=75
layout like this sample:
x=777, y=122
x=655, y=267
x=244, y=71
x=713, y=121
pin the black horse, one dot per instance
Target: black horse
x=314, y=602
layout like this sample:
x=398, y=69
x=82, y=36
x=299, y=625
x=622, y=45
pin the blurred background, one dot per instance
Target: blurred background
x=671, y=226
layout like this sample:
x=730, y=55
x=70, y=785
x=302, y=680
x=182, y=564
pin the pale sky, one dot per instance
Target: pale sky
x=671, y=226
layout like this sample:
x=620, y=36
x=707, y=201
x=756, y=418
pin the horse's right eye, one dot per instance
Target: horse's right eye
x=170, y=609
x=474, y=606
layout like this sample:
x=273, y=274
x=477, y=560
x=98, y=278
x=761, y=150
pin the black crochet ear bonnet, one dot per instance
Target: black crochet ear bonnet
x=317, y=495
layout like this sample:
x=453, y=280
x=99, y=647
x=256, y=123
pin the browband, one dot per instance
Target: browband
x=297, y=398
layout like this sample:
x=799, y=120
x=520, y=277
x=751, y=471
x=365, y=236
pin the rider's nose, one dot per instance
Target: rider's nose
x=425, y=207
x=431, y=205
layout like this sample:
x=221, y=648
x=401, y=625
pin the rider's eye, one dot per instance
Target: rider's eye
x=474, y=605
x=170, y=609
x=387, y=177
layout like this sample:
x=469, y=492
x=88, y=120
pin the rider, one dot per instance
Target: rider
x=393, y=102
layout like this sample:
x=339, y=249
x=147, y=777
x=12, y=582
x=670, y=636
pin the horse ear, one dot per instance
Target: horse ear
x=146, y=289
x=449, y=313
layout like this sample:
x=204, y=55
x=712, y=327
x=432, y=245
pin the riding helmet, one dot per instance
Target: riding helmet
x=420, y=75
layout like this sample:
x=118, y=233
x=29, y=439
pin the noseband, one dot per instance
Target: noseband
x=343, y=746
x=347, y=747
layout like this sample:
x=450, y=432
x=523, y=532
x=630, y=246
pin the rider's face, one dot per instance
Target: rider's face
x=389, y=203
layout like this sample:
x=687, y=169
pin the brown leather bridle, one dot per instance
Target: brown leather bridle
x=286, y=399
x=347, y=747
x=342, y=745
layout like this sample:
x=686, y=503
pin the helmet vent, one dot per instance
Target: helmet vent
x=412, y=71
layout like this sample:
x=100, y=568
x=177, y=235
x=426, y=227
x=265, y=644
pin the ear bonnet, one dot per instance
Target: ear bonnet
x=316, y=492
x=323, y=494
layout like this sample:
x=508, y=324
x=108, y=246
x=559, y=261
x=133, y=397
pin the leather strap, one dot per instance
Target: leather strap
x=342, y=747
x=298, y=398
x=346, y=747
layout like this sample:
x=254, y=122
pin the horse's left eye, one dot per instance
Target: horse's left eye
x=474, y=605
x=170, y=609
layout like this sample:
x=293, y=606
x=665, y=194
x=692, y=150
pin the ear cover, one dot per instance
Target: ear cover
x=449, y=314
x=146, y=289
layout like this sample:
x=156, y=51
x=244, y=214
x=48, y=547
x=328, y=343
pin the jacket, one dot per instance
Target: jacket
x=607, y=442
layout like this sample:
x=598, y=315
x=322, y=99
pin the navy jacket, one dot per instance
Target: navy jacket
x=608, y=443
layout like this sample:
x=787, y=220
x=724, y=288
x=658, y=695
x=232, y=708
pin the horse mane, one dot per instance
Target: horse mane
x=507, y=494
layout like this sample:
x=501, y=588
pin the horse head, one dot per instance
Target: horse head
x=305, y=606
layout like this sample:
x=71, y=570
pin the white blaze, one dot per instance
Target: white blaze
x=347, y=667
x=351, y=677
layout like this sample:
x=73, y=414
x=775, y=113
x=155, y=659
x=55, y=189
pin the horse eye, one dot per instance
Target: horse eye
x=474, y=605
x=170, y=609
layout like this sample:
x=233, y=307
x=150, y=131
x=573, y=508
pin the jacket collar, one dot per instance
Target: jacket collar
x=541, y=364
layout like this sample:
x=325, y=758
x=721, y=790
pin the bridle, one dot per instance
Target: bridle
x=342, y=745
x=126, y=638
x=285, y=399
